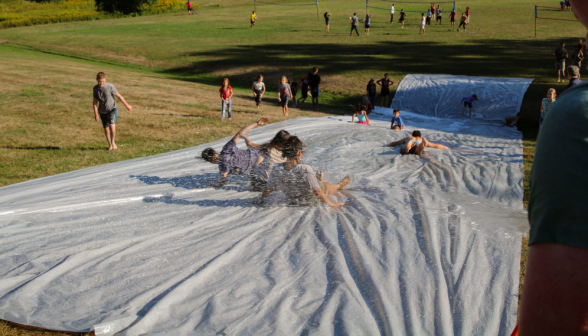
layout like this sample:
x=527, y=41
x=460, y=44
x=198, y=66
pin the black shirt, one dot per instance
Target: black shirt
x=371, y=89
x=314, y=81
x=560, y=54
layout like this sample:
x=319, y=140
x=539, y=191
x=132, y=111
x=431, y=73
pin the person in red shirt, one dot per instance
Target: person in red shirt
x=468, y=15
x=226, y=93
x=190, y=7
x=452, y=17
x=304, y=82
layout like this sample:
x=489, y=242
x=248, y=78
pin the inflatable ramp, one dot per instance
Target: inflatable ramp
x=440, y=95
x=425, y=245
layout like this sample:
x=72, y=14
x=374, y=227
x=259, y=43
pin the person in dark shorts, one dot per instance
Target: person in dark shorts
x=464, y=18
x=327, y=15
x=371, y=91
x=452, y=19
x=354, y=20
x=367, y=21
x=428, y=18
x=468, y=102
x=315, y=81
x=562, y=4
x=415, y=144
x=294, y=89
x=105, y=107
x=284, y=94
x=439, y=14
x=402, y=17
x=304, y=84
x=253, y=18
x=233, y=160
x=190, y=7
x=560, y=55
x=385, y=91
x=258, y=89
x=568, y=5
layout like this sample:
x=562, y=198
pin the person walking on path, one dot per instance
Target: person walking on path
x=371, y=91
x=560, y=55
x=105, y=107
x=367, y=20
x=392, y=14
x=439, y=14
x=327, y=15
x=284, y=94
x=353, y=24
x=190, y=7
x=226, y=93
x=315, y=81
x=452, y=19
x=546, y=104
x=423, y=23
x=468, y=102
x=402, y=17
x=258, y=89
x=385, y=91
x=253, y=18
x=463, y=22
x=573, y=76
x=304, y=84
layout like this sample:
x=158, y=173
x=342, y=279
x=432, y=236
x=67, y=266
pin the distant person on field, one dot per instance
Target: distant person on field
x=368, y=105
x=546, y=104
x=294, y=89
x=226, y=93
x=423, y=23
x=415, y=144
x=385, y=91
x=304, y=85
x=432, y=9
x=560, y=55
x=464, y=18
x=573, y=76
x=315, y=81
x=284, y=94
x=578, y=57
x=428, y=18
x=353, y=24
x=327, y=15
x=511, y=120
x=562, y=3
x=360, y=112
x=367, y=21
x=298, y=181
x=396, y=123
x=439, y=14
x=467, y=102
x=258, y=89
x=105, y=107
x=452, y=19
x=468, y=15
x=555, y=291
x=253, y=18
x=233, y=160
x=190, y=7
x=392, y=14
x=402, y=17
x=371, y=91
x=568, y=5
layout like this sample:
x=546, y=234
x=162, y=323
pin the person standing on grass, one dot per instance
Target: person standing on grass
x=371, y=91
x=467, y=102
x=546, y=104
x=423, y=23
x=294, y=88
x=233, y=160
x=562, y=3
x=304, y=83
x=315, y=81
x=568, y=5
x=397, y=124
x=353, y=24
x=367, y=20
x=452, y=19
x=226, y=93
x=464, y=18
x=573, y=76
x=428, y=18
x=190, y=7
x=439, y=14
x=105, y=107
x=432, y=9
x=468, y=15
x=327, y=16
x=253, y=18
x=392, y=14
x=578, y=57
x=560, y=55
x=284, y=94
x=402, y=17
x=385, y=91
x=258, y=88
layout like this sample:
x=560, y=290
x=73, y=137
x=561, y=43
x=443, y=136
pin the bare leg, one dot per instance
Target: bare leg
x=107, y=133
x=396, y=143
x=421, y=147
x=112, y=136
x=332, y=189
x=463, y=111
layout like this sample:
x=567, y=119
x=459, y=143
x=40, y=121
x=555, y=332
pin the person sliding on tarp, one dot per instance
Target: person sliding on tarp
x=271, y=154
x=415, y=144
x=298, y=181
x=231, y=159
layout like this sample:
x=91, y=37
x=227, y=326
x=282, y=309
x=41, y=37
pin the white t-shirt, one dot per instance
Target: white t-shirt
x=258, y=86
x=392, y=12
x=424, y=20
x=297, y=183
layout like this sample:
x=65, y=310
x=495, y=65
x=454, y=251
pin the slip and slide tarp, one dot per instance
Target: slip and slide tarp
x=425, y=245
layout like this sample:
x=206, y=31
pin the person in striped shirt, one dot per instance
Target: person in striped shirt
x=270, y=155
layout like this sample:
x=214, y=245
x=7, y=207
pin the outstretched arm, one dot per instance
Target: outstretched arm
x=353, y=117
x=250, y=144
x=246, y=129
x=129, y=107
x=434, y=145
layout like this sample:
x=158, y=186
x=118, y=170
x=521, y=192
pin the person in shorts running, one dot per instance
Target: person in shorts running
x=304, y=83
x=385, y=91
x=315, y=81
x=402, y=17
x=190, y=7
x=253, y=18
x=327, y=15
x=105, y=107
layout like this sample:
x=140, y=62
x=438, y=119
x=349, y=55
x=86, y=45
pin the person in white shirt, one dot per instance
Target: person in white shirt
x=392, y=15
x=423, y=23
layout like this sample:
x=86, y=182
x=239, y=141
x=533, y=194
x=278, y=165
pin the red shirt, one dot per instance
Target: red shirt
x=452, y=15
x=468, y=12
x=190, y=4
x=305, y=81
x=226, y=93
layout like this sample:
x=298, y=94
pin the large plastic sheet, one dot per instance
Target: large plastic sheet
x=441, y=95
x=425, y=245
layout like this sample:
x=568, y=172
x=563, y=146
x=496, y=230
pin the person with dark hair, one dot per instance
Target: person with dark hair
x=452, y=19
x=327, y=15
x=315, y=81
x=415, y=144
x=271, y=154
x=226, y=93
x=360, y=112
x=511, y=120
x=353, y=24
x=560, y=55
x=367, y=21
x=402, y=17
x=298, y=181
x=467, y=102
x=258, y=88
x=439, y=16
x=233, y=160
x=304, y=85
x=573, y=76
x=385, y=91
x=371, y=91
x=396, y=123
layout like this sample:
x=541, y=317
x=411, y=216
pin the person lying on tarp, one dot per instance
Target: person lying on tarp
x=298, y=180
x=415, y=144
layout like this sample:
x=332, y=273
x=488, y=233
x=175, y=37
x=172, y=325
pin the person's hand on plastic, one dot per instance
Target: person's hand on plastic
x=262, y=121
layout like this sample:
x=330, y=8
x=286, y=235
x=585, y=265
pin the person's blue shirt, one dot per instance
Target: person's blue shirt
x=429, y=13
x=397, y=122
x=573, y=82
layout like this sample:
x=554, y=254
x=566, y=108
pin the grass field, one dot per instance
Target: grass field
x=169, y=67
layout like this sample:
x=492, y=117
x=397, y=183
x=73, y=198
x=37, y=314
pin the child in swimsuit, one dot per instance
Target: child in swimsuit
x=361, y=114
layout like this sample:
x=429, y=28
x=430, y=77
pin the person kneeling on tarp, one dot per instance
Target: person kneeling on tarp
x=298, y=181
x=231, y=159
x=415, y=144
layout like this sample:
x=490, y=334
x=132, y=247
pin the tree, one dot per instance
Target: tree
x=122, y=6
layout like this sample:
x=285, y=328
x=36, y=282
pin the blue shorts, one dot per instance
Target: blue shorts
x=109, y=118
